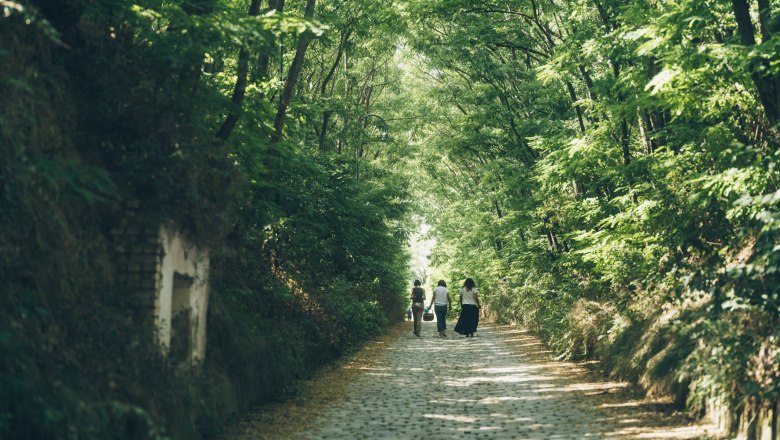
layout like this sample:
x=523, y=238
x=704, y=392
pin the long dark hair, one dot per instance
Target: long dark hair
x=469, y=284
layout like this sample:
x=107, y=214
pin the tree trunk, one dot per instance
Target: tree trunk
x=643, y=121
x=654, y=121
x=324, y=129
x=292, y=76
x=768, y=86
x=744, y=24
x=499, y=212
x=332, y=71
x=323, y=88
x=264, y=62
x=575, y=188
x=591, y=91
x=625, y=142
x=589, y=83
x=552, y=241
x=608, y=25
x=577, y=108
x=765, y=19
x=239, y=91
x=658, y=124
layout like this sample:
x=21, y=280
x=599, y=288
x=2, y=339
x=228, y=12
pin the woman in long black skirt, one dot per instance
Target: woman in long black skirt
x=469, y=309
x=418, y=303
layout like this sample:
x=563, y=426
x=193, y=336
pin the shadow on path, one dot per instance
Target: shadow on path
x=499, y=385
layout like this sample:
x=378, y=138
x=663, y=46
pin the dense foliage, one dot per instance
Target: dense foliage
x=202, y=113
x=607, y=171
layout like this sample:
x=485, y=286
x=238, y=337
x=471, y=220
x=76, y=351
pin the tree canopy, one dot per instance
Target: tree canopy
x=605, y=170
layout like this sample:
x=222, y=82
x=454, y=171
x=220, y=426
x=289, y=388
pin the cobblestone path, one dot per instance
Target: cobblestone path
x=498, y=385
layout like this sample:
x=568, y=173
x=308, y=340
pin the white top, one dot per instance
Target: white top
x=440, y=296
x=468, y=296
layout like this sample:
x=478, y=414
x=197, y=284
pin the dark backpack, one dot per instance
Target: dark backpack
x=418, y=294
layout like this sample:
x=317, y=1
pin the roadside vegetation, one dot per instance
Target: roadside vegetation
x=606, y=170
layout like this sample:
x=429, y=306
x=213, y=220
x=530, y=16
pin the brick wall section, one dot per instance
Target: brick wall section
x=138, y=255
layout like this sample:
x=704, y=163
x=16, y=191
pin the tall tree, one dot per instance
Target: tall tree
x=293, y=74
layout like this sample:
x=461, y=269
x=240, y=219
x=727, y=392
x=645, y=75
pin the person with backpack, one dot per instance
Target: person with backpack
x=418, y=299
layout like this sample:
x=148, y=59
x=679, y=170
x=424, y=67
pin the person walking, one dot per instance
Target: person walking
x=469, y=309
x=418, y=299
x=439, y=302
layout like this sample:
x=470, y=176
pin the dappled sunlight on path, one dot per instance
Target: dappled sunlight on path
x=501, y=384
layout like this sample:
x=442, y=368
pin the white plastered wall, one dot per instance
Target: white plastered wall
x=180, y=256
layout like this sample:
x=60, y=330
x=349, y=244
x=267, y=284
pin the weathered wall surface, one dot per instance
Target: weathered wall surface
x=182, y=287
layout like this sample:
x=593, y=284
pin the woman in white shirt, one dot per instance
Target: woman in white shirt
x=469, y=309
x=439, y=302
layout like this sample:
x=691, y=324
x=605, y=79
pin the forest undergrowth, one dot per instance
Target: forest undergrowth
x=606, y=170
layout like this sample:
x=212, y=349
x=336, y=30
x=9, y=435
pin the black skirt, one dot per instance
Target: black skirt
x=468, y=319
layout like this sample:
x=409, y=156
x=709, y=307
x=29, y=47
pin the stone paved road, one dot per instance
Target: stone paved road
x=499, y=385
x=480, y=388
